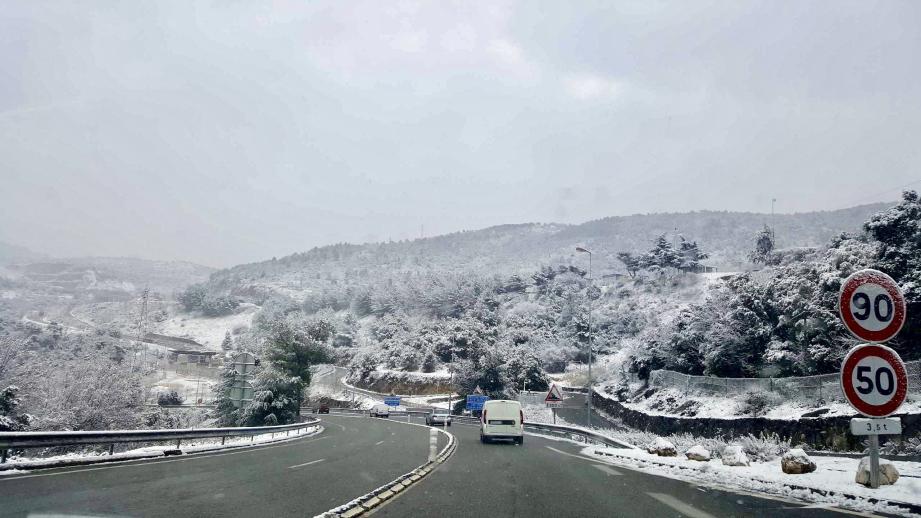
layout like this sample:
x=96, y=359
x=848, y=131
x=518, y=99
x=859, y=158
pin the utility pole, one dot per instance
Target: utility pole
x=773, y=236
x=588, y=419
x=141, y=326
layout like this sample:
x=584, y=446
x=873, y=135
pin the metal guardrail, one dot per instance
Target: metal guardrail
x=23, y=440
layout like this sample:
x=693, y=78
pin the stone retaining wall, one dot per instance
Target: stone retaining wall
x=816, y=432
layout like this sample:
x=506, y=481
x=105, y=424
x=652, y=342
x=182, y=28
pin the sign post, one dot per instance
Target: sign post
x=554, y=399
x=873, y=376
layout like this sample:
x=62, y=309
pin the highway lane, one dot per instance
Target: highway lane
x=549, y=478
x=298, y=478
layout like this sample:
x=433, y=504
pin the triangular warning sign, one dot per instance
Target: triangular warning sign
x=478, y=390
x=554, y=395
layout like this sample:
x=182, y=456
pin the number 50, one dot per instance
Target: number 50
x=866, y=385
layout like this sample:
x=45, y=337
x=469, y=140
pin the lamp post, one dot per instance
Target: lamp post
x=588, y=420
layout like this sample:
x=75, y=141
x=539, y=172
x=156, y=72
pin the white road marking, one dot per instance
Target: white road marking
x=572, y=455
x=607, y=469
x=141, y=463
x=306, y=464
x=678, y=505
x=378, y=443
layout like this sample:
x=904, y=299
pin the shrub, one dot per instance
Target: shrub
x=169, y=398
x=765, y=447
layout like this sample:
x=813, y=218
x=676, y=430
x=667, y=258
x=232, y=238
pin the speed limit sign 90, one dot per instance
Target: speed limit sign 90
x=874, y=380
x=872, y=306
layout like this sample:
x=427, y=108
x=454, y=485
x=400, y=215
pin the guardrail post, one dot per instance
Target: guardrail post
x=112, y=449
x=178, y=442
x=2, y=456
x=222, y=440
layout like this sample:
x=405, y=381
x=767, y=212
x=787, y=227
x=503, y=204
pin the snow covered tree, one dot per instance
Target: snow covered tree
x=690, y=255
x=227, y=344
x=632, y=263
x=661, y=256
x=11, y=419
x=293, y=350
x=276, y=399
x=764, y=247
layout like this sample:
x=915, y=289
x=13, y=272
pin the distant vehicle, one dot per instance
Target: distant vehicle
x=502, y=419
x=380, y=411
x=324, y=409
x=438, y=417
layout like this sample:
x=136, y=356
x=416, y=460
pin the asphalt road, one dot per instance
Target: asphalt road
x=550, y=478
x=299, y=478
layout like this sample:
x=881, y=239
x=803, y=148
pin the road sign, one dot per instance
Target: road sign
x=392, y=400
x=554, y=396
x=244, y=364
x=888, y=426
x=478, y=391
x=241, y=392
x=872, y=306
x=874, y=380
x=476, y=401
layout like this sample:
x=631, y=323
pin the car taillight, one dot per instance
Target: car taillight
x=522, y=416
x=484, y=416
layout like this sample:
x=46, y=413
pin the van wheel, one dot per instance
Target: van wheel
x=519, y=440
x=482, y=438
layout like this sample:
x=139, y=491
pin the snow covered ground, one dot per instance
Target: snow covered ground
x=834, y=475
x=187, y=447
x=672, y=402
x=208, y=331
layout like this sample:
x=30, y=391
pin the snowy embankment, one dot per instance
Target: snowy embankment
x=831, y=483
x=208, y=331
x=16, y=464
x=677, y=403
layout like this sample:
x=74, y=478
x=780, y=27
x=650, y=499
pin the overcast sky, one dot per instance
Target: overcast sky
x=233, y=131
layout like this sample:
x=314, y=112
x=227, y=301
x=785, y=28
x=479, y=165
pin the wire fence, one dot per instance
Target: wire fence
x=821, y=388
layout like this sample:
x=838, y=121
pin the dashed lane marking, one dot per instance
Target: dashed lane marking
x=306, y=464
x=678, y=505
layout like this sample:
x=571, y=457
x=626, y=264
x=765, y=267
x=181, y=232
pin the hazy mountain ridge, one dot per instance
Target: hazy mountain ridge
x=109, y=274
x=521, y=248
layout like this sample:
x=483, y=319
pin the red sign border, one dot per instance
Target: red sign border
x=547, y=398
x=888, y=283
x=901, y=378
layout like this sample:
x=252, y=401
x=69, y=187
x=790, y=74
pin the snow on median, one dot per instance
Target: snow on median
x=834, y=476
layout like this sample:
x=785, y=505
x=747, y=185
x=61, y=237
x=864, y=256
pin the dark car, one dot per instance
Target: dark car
x=324, y=409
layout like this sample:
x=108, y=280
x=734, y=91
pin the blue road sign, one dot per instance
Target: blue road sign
x=475, y=402
x=392, y=400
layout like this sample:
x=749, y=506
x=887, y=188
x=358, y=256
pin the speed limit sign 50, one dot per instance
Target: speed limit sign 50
x=872, y=306
x=874, y=380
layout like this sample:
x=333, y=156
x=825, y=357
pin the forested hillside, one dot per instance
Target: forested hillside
x=498, y=328
x=328, y=272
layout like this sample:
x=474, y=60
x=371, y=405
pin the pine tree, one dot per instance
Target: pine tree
x=690, y=255
x=227, y=344
x=764, y=247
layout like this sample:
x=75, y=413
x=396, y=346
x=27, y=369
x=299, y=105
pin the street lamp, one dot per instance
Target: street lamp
x=588, y=419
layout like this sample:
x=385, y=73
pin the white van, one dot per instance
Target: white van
x=502, y=419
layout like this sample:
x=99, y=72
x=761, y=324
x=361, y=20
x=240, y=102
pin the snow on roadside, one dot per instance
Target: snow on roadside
x=189, y=446
x=833, y=474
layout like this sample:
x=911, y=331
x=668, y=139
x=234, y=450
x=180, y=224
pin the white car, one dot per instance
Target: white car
x=502, y=419
x=437, y=417
x=380, y=411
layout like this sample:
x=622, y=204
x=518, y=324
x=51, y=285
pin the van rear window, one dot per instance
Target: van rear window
x=502, y=421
